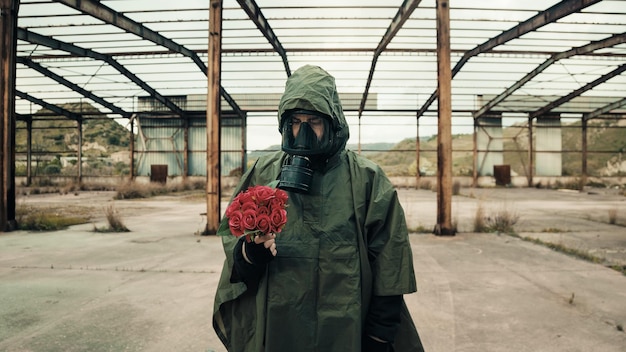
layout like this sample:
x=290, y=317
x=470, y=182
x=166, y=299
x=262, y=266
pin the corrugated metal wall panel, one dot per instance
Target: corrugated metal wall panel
x=197, y=163
x=489, y=144
x=163, y=142
x=174, y=162
x=548, y=147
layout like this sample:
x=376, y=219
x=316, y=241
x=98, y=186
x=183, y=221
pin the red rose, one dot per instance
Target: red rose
x=245, y=197
x=234, y=222
x=278, y=218
x=276, y=203
x=263, y=194
x=249, y=206
x=281, y=195
x=263, y=223
x=233, y=207
x=248, y=219
x=263, y=210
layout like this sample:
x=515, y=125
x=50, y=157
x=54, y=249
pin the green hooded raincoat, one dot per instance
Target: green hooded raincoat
x=343, y=243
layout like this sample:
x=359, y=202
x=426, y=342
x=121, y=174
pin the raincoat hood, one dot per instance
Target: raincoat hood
x=312, y=88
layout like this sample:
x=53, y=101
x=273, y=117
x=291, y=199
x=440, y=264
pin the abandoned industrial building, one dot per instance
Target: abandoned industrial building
x=533, y=84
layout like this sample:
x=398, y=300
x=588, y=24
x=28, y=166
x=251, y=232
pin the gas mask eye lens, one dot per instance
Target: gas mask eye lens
x=315, y=123
x=295, y=121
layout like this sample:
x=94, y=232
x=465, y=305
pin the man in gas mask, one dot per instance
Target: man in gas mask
x=334, y=278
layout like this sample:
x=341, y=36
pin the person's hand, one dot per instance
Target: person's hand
x=261, y=250
x=268, y=241
x=372, y=344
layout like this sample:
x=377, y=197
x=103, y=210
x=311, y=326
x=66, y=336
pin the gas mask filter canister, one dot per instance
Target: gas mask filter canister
x=296, y=175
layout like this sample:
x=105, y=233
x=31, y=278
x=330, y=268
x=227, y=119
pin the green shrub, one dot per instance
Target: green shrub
x=30, y=219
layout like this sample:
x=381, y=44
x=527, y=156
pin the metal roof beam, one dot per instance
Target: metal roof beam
x=46, y=72
x=585, y=49
x=562, y=100
x=35, y=38
x=404, y=12
x=106, y=14
x=255, y=14
x=605, y=109
x=54, y=108
x=556, y=12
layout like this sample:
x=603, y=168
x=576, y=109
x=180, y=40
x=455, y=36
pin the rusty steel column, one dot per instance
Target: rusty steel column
x=213, y=118
x=531, y=160
x=8, y=47
x=29, y=151
x=244, y=144
x=79, y=127
x=475, y=155
x=417, y=154
x=584, y=177
x=444, y=131
x=186, y=149
x=132, y=148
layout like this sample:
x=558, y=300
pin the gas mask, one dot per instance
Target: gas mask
x=306, y=138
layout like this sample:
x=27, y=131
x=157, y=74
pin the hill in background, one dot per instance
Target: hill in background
x=102, y=136
x=606, y=143
x=105, y=144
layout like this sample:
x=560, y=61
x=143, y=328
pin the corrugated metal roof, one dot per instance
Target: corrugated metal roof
x=495, y=46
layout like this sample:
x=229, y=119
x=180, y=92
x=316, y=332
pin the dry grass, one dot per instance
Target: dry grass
x=479, y=220
x=36, y=219
x=456, y=188
x=114, y=221
x=502, y=221
x=134, y=190
x=426, y=185
x=613, y=216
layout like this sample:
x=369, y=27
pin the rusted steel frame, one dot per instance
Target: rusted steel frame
x=564, y=99
x=29, y=151
x=582, y=50
x=475, y=154
x=417, y=154
x=584, y=153
x=531, y=151
x=404, y=12
x=255, y=14
x=213, y=118
x=444, y=126
x=556, y=12
x=44, y=71
x=108, y=15
x=8, y=47
x=605, y=109
x=54, y=108
x=79, y=130
x=132, y=146
x=185, y=149
x=83, y=52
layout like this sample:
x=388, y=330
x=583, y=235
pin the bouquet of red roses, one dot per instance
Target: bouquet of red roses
x=259, y=210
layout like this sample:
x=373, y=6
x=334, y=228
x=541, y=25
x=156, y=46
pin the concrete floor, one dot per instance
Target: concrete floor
x=152, y=289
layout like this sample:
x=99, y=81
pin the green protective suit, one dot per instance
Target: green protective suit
x=344, y=242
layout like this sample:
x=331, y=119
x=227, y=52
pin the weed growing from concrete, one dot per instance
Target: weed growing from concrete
x=613, y=216
x=32, y=219
x=456, y=188
x=133, y=190
x=580, y=254
x=552, y=230
x=114, y=221
x=479, y=220
x=502, y=221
